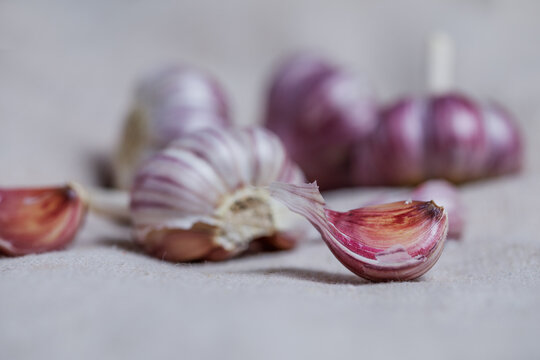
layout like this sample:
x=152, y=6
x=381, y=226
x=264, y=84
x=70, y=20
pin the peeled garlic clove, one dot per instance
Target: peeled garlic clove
x=204, y=197
x=319, y=110
x=396, y=241
x=169, y=104
x=40, y=219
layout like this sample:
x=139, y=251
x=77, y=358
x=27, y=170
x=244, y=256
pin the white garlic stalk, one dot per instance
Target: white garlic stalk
x=169, y=104
x=205, y=196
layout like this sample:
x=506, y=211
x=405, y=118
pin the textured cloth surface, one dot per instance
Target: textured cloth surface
x=66, y=75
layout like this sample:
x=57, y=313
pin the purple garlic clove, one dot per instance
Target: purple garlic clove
x=396, y=241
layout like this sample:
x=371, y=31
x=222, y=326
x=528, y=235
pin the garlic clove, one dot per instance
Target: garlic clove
x=35, y=220
x=396, y=241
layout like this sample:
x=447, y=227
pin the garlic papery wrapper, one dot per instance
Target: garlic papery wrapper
x=35, y=220
x=169, y=104
x=205, y=196
x=396, y=241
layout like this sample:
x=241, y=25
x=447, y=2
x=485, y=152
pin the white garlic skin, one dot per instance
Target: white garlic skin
x=168, y=104
x=205, y=196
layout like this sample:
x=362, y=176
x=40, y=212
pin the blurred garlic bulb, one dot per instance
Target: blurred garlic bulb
x=205, y=196
x=445, y=136
x=36, y=220
x=168, y=104
x=396, y=241
x=319, y=111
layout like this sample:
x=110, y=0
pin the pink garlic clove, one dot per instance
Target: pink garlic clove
x=397, y=241
x=35, y=220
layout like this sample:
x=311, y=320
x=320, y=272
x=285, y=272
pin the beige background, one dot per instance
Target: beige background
x=66, y=74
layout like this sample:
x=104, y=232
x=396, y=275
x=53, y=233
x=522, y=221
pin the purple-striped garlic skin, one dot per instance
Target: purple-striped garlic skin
x=36, y=220
x=319, y=111
x=168, y=104
x=446, y=136
x=205, y=196
x=396, y=241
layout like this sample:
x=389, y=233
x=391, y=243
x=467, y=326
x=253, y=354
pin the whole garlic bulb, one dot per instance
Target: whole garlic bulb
x=168, y=104
x=205, y=196
x=446, y=136
x=319, y=111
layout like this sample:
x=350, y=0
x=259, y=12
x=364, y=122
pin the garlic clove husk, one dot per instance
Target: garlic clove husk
x=204, y=197
x=168, y=104
x=35, y=220
x=396, y=241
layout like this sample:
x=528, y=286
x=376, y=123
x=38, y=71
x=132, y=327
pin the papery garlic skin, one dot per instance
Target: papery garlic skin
x=319, y=110
x=36, y=220
x=396, y=241
x=204, y=196
x=169, y=104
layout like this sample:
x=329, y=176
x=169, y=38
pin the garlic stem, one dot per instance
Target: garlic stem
x=440, y=63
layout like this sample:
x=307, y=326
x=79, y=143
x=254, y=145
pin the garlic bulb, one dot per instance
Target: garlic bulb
x=319, y=111
x=205, y=196
x=446, y=136
x=396, y=241
x=39, y=220
x=168, y=104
